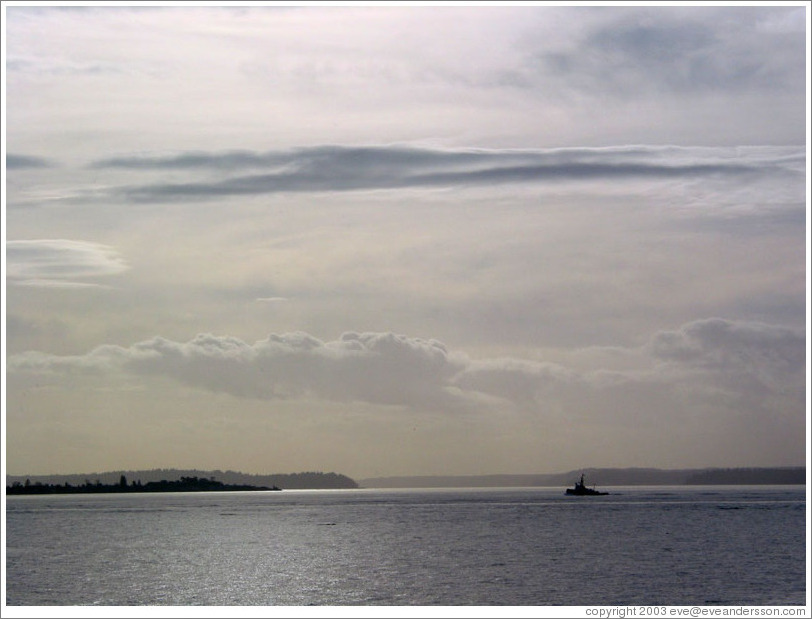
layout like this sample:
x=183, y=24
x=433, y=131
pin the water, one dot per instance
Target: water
x=484, y=547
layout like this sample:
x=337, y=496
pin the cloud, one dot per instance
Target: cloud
x=754, y=370
x=59, y=263
x=753, y=355
x=382, y=368
x=517, y=380
x=702, y=75
x=682, y=52
x=21, y=162
x=396, y=370
x=190, y=160
x=338, y=168
x=59, y=67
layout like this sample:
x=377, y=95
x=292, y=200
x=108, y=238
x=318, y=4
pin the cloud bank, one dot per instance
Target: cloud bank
x=389, y=369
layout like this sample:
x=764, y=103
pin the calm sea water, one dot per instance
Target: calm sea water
x=484, y=547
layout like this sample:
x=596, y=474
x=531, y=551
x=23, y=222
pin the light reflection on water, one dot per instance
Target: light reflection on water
x=655, y=545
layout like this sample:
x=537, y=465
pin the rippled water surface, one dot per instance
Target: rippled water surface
x=653, y=545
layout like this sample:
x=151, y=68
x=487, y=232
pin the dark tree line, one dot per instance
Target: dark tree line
x=310, y=480
x=184, y=484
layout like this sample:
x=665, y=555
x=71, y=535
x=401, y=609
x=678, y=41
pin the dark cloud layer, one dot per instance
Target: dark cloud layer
x=335, y=168
x=21, y=162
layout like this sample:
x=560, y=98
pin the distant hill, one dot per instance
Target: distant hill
x=286, y=481
x=601, y=477
x=317, y=480
x=749, y=476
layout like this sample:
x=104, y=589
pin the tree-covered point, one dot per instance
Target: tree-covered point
x=184, y=484
x=310, y=480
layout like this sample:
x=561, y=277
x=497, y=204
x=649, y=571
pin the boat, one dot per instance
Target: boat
x=580, y=489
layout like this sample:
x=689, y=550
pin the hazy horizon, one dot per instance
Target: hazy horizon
x=403, y=240
x=549, y=473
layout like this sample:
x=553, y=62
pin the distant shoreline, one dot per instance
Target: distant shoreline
x=603, y=477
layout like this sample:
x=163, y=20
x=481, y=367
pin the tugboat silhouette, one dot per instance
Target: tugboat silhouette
x=580, y=489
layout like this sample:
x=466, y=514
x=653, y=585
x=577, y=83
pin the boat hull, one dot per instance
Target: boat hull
x=572, y=492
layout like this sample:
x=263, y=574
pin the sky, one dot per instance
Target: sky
x=405, y=240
